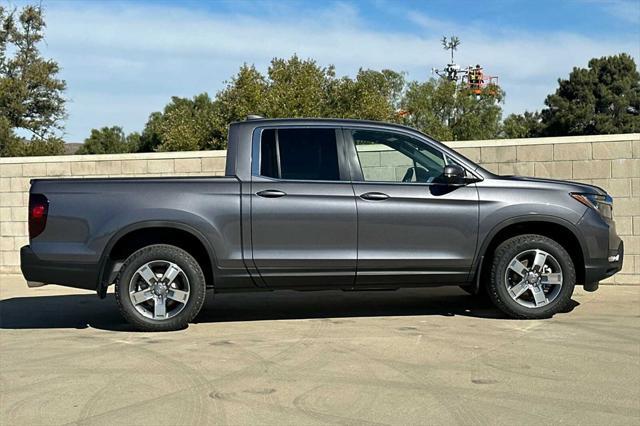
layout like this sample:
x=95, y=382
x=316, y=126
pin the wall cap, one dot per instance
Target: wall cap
x=115, y=157
x=555, y=140
x=626, y=137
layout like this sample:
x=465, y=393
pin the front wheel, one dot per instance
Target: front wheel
x=160, y=288
x=532, y=276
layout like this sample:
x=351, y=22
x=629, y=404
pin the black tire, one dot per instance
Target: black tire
x=194, y=276
x=503, y=255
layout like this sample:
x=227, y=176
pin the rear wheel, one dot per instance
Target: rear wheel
x=160, y=288
x=532, y=276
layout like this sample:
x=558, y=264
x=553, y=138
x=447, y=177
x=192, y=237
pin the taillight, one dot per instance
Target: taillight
x=38, y=209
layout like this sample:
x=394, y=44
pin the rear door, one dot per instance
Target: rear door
x=413, y=228
x=303, y=212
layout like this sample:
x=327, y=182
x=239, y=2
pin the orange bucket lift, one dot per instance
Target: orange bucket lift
x=476, y=80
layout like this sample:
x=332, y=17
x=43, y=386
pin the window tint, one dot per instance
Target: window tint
x=299, y=154
x=393, y=157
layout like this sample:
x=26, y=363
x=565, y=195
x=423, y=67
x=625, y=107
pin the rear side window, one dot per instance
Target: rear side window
x=299, y=154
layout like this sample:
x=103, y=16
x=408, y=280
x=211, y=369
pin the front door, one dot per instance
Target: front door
x=413, y=227
x=303, y=212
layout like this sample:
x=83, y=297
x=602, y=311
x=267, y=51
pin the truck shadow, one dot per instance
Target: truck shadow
x=83, y=311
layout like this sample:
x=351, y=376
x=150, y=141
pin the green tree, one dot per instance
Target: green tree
x=372, y=95
x=296, y=88
x=109, y=140
x=10, y=144
x=527, y=125
x=189, y=124
x=292, y=88
x=601, y=99
x=150, y=137
x=31, y=95
x=448, y=111
x=52, y=145
x=184, y=125
x=244, y=94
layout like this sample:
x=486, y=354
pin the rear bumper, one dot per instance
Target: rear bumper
x=39, y=272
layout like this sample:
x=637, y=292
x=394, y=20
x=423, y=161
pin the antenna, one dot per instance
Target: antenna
x=452, y=71
x=451, y=44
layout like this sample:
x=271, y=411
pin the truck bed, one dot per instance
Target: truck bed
x=85, y=216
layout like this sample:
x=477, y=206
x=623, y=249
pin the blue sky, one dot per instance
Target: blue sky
x=124, y=60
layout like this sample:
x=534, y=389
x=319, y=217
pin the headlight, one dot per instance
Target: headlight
x=602, y=203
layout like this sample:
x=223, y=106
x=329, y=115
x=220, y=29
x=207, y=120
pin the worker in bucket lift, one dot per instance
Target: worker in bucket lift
x=476, y=76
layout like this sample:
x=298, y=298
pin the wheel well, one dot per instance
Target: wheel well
x=556, y=232
x=135, y=240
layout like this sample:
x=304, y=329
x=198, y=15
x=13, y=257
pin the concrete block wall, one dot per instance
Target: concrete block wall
x=609, y=161
x=380, y=162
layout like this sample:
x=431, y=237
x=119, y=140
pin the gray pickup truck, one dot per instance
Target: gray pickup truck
x=313, y=204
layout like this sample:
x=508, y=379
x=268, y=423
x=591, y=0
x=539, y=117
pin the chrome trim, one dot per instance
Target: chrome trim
x=34, y=284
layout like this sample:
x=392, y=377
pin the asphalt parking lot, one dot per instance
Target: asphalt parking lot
x=411, y=357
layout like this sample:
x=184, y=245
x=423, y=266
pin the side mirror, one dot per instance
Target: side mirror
x=453, y=173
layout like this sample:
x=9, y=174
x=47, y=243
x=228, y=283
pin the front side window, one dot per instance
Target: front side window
x=299, y=154
x=393, y=157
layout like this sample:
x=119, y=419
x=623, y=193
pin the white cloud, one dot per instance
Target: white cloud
x=625, y=10
x=429, y=23
x=122, y=62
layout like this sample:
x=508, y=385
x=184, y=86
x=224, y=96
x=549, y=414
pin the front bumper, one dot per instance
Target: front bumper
x=604, y=268
x=602, y=247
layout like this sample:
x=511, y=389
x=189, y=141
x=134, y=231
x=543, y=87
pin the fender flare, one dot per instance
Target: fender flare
x=482, y=251
x=145, y=225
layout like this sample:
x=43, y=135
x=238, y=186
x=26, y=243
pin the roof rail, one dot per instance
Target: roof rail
x=254, y=117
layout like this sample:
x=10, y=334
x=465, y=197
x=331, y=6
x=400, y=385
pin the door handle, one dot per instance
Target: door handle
x=271, y=193
x=374, y=196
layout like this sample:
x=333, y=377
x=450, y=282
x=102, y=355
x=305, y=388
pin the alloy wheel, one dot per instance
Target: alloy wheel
x=159, y=290
x=533, y=278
